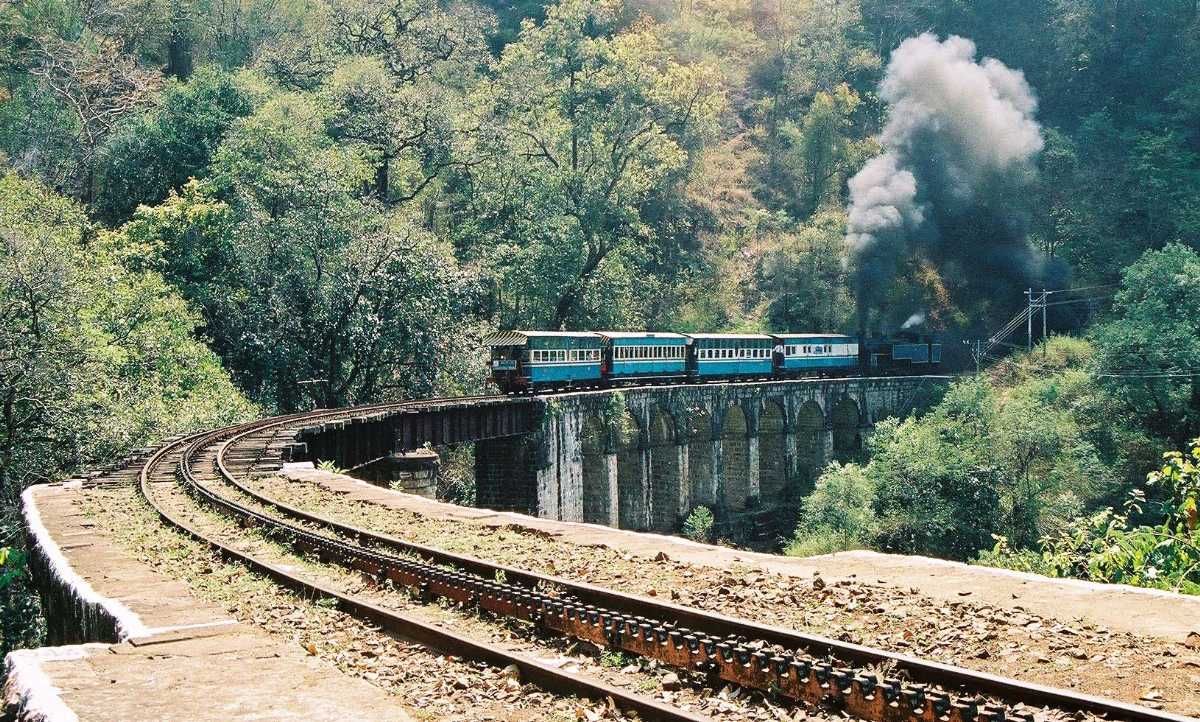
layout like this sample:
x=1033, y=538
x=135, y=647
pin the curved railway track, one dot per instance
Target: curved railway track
x=784, y=662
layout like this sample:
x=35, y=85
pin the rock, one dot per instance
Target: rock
x=662, y=557
x=670, y=682
x=818, y=583
x=511, y=672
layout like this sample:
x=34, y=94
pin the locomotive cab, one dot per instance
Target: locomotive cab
x=906, y=353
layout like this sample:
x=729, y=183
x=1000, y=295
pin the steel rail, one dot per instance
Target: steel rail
x=604, y=605
x=531, y=670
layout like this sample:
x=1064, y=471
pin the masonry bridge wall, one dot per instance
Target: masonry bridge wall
x=643, y=458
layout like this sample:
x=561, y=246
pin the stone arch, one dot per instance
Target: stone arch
x=664, y=471
x=772, y=454
x=701, y=476
x=597, y=472
x=810, y=443
x=846, y=420
x=735, y=459
x=631, y=476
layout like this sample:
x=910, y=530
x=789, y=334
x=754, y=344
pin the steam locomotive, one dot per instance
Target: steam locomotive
x=524, y=361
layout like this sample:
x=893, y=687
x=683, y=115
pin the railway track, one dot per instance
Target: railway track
x=792, y=665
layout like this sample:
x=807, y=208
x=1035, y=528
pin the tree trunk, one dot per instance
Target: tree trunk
x=566, y=302
x=381, y=180
x=179, y=55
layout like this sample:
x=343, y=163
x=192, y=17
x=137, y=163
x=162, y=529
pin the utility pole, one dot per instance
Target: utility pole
x=1045, y=299
x=976, y=352
x=1029, y=320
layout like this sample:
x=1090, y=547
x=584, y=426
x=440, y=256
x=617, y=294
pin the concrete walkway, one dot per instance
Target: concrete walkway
x=185, y=658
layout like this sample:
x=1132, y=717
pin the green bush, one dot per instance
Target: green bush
x=838, y=515
x=1108, y=547
x=933, y=494
x=699, y=525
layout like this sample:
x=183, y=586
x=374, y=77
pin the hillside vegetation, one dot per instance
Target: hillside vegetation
x=1040, y=464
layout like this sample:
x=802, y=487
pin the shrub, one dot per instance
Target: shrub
x=932, y=495
x=838, y=515
x=699, y=525
x=1108, y=547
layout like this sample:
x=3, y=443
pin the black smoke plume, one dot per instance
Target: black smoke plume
x=959, y=153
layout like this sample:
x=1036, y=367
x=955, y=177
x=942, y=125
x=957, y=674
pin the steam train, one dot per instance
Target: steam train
x=525, y=361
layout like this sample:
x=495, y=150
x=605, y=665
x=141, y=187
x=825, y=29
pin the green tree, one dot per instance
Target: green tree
x=405, y=124
x=312, y=293
x=932, y=496
x=820, y=155
x=1148, y=357
x=157, y=151
x=804, y=276
x=97, y=356
x=582, y=127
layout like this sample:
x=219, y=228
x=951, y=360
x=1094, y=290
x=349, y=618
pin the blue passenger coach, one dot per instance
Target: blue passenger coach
x=726, y=355
x=644, y=355
x=813, y=354
x=525, y=360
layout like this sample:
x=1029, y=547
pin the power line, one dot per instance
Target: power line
x=1079, y=300
x=1083, y=288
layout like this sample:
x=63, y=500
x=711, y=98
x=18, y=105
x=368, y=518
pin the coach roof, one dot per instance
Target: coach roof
x=521, y=338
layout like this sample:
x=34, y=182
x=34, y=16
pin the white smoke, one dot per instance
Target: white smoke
x=957, y=129
x=916, y=319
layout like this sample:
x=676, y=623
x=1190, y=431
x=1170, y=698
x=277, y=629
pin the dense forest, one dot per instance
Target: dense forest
x=217, y=208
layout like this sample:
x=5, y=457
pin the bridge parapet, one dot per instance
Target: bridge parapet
x=373, y=435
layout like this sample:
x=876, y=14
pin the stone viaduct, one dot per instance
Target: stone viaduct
x=643, y=458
